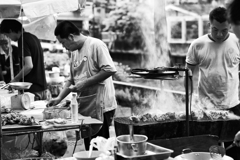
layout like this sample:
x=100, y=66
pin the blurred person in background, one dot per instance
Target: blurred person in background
x=33, y=70
x=6, y=47
x=234, y=16
x=91, y=69
x=234, y=19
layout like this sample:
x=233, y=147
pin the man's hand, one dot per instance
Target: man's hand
x=72, y=88
x=237, y=139
x=78, y=87
x=54, y=102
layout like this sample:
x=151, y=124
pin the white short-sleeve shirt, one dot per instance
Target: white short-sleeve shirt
x=218, y=70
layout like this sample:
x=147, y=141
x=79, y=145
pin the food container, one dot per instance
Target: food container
x=83, y=155
x=153, y=152
x=53, y=74
x=134, y=147
x=200, y=156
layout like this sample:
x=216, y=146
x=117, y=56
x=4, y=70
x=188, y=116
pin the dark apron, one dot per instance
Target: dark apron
x=87, y=105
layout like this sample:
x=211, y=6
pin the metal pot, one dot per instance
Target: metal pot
x=129, y=147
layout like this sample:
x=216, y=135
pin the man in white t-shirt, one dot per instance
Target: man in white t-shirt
x=217, y=56
x=91, y=69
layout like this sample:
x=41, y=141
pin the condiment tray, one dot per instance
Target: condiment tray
x=152, y=152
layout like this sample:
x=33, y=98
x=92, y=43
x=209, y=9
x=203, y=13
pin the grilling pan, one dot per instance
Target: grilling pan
x=157, y=73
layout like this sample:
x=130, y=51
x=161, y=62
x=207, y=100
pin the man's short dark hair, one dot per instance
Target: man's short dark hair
x=233, y=12
x=65, y=28
x=219, y=14
x=13, y=25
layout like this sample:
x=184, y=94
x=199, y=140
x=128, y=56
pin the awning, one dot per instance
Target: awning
x=38, y=16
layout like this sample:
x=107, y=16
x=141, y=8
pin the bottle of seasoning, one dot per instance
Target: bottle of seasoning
x=74, y=108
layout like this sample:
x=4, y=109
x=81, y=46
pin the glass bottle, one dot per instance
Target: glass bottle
x=74, y=108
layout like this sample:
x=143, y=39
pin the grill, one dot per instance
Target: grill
x=127, y=121
x=224, y=129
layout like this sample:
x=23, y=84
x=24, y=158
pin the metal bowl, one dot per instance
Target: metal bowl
x=199, y=156
x=20, y=85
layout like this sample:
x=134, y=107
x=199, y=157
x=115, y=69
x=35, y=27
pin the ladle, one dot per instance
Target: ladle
x=131, y=133
x=130, y=127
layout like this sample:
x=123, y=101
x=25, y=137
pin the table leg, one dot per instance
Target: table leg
x=40, y=143
x=77, y=134
x=90, y=132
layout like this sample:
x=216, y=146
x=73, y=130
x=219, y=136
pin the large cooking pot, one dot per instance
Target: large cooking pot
x=129, y=147
x=200, y=156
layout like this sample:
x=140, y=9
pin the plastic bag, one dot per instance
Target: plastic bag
x=103, y=144
x=55, y=143
x=103, y=156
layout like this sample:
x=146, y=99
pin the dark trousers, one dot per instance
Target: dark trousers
x=235, y=110
x=235, y=151
x=104, y=131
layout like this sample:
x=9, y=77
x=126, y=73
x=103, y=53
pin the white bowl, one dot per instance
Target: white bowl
x=83, y=155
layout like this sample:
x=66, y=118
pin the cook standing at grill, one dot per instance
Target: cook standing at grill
x=29, y=46
x=217, y=56
x=91, y=69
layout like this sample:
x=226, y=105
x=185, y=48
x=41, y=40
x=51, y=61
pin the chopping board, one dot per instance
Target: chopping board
x=19, y=127
x=86, y=121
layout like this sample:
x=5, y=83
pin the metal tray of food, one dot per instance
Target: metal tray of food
x=152, y=152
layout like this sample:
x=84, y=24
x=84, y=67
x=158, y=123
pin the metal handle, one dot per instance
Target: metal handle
x=131, y=133
x=134, y=147
x=186, y=150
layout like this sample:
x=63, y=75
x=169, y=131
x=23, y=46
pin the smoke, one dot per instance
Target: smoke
x=154, y=31
x=153, y=26
x=166, y=102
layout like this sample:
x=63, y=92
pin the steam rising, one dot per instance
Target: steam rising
x=154, y=30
